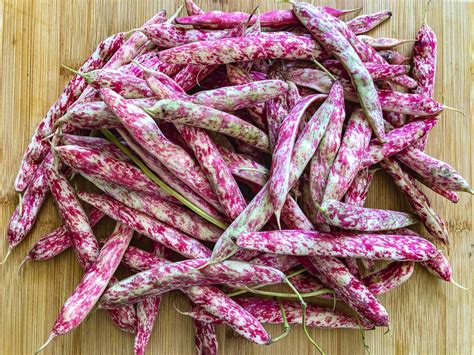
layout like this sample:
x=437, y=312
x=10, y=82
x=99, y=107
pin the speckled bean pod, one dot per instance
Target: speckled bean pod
x=357, y=192
x=371, y=246
x=146, y=132
x=128, y=86
x=383, y=42
x=433, y=171
x=376, y=70
x=244, y=167
x=106, y=147
x=211, y=119
x=388, y=278
x=166, y=35
x=92, y=163
x=93, y=283
x=83, y=240
x=282, y=153
x=440, y=267
x=57, y=241
x=365, y=23
x=192, y=8
x=397, y=140
x=96, y=114
x=356, y=218
x=424, y=66
x=168, y=177
x=240, y=49
x=276, y=108
x=37, y=148
x=324, y=157
x=334, y=274
x=349, y=157
x=417, y=200
x=205, y=338
x=143, y=224
x=20, y=224
x=268, y=311
x=231, y=98
x=322, y=28
x=167, y=212
x=147, y=311
x=185, y=274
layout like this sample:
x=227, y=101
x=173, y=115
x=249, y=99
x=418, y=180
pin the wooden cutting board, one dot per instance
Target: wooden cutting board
x=428, y=316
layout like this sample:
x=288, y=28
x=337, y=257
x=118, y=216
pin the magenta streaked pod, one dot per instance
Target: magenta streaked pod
x=356, y=218
x=388, y=278
x=440, y=267
x=364, y=23
x=339, y=244
x=143, y=224
x=205, y=338
x=357, y=193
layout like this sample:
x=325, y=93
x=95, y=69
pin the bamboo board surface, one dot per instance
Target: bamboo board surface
x=428, y=316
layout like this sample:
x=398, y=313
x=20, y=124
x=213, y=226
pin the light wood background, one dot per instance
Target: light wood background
x=428, y=316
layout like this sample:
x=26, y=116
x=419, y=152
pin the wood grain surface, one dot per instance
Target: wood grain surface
x=428, y=316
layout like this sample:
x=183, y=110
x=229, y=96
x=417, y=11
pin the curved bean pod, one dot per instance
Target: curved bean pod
x=417, y=200
x=371, y=246
x=205, y=338
x=388, y=278
x=93, y=283
x=211, y=119
x=349, y=157
x=321, y=27
x=167, y=212
x=397, y=140
x=83, y=240
x=365, y=23
x=143, y=224
x=356, y=218
x=92, y=163
x=440, y=267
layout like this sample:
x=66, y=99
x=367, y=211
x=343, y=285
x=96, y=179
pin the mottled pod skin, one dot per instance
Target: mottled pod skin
x=128, y=86
x=371, y=246
x=166, y=35
x=324, y=157
x=241, y=49
x=59, y=240
x=376, y=70
x=96, y=114
x=208, y=118
x=33, y=198
x=349, y=157
x=393, y=57
x=351, y=290
x=83, y=240
x=271, y=19
x=185, y=274
x=146, y=225
x=260, y=209
x=322, y=28
x=205, y=338
x=276, y=108
x=192, y=8
x=397, y=140
x=93, y=283
x=37, y=148
x=282, y=153
x=92, y=163
x=424, y=66
x=167, y=212
x=417, y=200
x=106, y=147
x=351, y=217
x=383, y=42
x=268, y=311
x=357, y=193
x=364, y=23
x=433, y=171
x=168, y=177
x=146, y=132
x=244, y=167
x=388, y=278
x=440, y=267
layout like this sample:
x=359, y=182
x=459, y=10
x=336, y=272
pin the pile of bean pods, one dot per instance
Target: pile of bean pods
x=243, y=145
